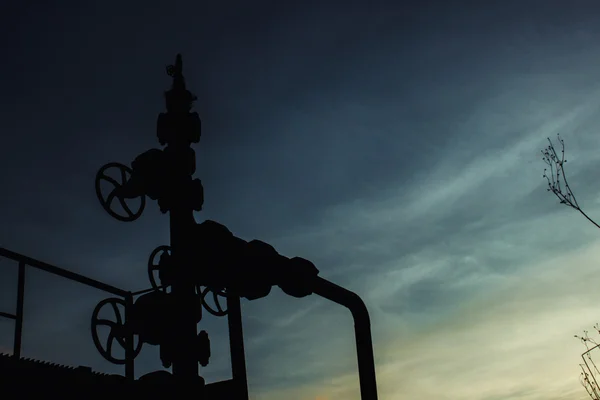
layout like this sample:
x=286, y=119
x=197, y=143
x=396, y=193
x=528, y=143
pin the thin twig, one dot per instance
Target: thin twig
x=557, y=178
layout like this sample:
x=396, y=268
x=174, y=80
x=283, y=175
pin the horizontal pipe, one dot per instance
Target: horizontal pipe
x=362, y=332
x=62, y=272
x=7, y=315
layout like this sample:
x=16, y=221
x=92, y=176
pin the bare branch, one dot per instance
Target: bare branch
x=587, y=384
x=557, y=178
x=590, y=372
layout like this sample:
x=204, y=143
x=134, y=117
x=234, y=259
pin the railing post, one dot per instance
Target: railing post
x=19, y=314
x=129, y=361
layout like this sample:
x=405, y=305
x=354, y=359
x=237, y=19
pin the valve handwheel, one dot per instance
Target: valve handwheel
x=157, y=263
x=124, y=175
x=218, y=311
x=117, y=332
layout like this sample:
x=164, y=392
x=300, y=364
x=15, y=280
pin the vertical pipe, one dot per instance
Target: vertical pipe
x=362, y=333
x=185, y=360
x=236, y=344
x=179, y=163
x=129, y=361
x=19, y=319
x=364, y=352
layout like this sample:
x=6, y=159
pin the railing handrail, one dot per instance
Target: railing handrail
x=24, y=262
x=52, y=269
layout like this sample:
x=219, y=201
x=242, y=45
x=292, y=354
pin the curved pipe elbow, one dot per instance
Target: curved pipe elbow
x=362, y=332
x=344, y=297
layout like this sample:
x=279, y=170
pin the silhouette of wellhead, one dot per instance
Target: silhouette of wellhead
x=203, y=260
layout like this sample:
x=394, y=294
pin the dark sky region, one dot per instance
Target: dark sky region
x=395, y=144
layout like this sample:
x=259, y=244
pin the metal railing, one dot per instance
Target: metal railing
x=23, y=262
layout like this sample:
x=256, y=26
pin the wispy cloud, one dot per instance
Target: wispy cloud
x=397, y=148
x=476, y=280
x=514, y=342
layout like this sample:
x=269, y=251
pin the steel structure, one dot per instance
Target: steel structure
x=202, y=260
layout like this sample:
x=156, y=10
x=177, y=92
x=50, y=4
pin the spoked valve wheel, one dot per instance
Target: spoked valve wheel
x=157, y=263
x=128, y=213
x=117, y=330
x=217, y=309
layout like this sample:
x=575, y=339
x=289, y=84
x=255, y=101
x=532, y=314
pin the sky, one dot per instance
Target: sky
x=396, y=145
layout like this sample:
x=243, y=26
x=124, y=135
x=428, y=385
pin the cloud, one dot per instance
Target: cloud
x=510, y=343
x=474, y=278
x=404, y=162
x=517, y=339
x=421, y=252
